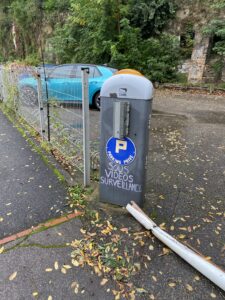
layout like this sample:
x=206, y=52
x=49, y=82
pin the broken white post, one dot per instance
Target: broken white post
x=208, y=269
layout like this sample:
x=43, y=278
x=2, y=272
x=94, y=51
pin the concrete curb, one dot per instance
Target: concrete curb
x=42, y=226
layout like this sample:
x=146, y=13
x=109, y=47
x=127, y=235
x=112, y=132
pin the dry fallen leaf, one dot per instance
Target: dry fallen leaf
x=197, y=278
x=124, y=230
x=48, y=270
x=104, y=281
x=75, y=285
x=56, y=265
x=141, y=290
x=181, y=236
x=165, y=251
x=75, y=263
x=172, y=284
x=189, y=287
x=67, y=267
x=213, y=295
x=12, y=276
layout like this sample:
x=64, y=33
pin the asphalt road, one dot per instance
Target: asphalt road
x=185, y=193
x=186, y=188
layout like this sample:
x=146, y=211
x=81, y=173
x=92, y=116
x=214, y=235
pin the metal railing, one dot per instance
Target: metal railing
x=25, y=91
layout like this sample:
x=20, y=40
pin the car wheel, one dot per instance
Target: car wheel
x=97, y=101
x=28, y=96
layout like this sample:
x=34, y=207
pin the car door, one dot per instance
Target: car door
x=77, y=84
x=93, y=74
x=59, y=82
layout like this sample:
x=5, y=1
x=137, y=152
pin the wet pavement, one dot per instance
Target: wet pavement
x=185, y=195
x=30, y=193
x=186, y=188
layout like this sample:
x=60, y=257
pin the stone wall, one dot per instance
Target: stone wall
x=199, y=14
x=198, y=58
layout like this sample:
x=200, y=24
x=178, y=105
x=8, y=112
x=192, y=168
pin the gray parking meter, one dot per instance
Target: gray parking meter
x=126, y=102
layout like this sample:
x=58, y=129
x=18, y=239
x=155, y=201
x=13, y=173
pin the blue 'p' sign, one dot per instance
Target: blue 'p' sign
x=122, y=152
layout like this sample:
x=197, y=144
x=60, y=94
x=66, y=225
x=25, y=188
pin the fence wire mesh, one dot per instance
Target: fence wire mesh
x=53, y=107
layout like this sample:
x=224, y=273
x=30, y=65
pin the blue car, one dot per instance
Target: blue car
x=64, y=84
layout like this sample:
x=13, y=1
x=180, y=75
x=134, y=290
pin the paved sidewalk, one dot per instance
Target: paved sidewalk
x=32, y=267
x=36, y=260
x=30, y=193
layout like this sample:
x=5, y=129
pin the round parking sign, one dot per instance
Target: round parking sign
x=122, y=152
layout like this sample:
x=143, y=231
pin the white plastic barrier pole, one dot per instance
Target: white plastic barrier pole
x=207, y=268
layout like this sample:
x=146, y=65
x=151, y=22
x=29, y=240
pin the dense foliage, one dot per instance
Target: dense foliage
x=216, y=28
x=121, y=33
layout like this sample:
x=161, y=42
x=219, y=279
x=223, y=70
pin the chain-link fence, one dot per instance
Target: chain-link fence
x=50, y=100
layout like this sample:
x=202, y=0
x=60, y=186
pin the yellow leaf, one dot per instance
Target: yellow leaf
x=49, y=297
x=137, y=266
x=181, y=236
x=67, y=267
x=56, y=265
x=189, y=287
x=63, y=270
x=48, y=270
x=124, y=230
x=104, y=281
x=117, y=297
x=162, y=226
x=35, y=294
x=141, y=290
x=213, y=295
x=97, y=271
x=75, y=263
x=96, y=217
x=109, y=225
x=172, y=284
x=197, y=277
x=1, y=249
x=12, y=276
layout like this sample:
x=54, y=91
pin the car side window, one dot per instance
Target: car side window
x=93, y=72
x=78, y=72
x=96, y=72
x=63, y=72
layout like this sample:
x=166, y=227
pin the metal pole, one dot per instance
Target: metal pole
x=86, y=128
x=40, y=104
